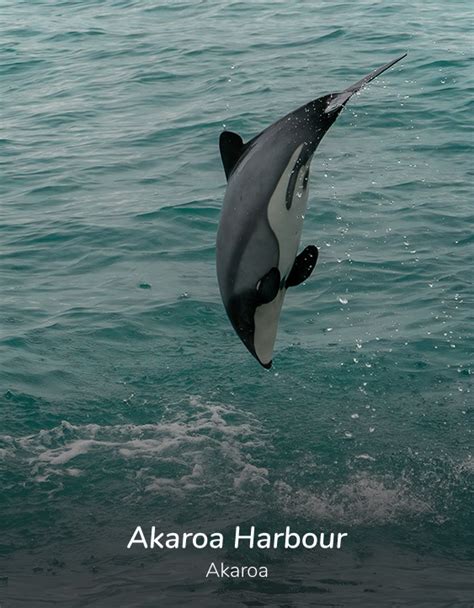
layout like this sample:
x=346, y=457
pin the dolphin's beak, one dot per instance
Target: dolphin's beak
x=249, y=343
x=340, y=99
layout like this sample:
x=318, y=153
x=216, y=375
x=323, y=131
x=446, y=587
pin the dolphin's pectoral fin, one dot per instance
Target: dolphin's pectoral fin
x=232, y=147
x=303, y=266
x=268, y=286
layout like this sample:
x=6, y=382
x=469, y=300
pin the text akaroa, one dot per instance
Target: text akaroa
x=153, y=538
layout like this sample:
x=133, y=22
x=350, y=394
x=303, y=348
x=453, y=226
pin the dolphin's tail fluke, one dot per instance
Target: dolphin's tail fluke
x=340, y=99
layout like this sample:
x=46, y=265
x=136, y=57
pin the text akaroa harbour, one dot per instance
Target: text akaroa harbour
x=154, y=538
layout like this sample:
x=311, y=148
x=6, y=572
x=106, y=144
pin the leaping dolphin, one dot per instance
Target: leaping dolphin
x=262, y=217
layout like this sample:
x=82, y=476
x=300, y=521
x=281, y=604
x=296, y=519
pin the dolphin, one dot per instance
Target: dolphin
x=262, y=216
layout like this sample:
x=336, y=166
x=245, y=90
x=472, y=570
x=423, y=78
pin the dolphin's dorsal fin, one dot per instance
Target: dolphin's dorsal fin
x=303, y=266
x=232, y=147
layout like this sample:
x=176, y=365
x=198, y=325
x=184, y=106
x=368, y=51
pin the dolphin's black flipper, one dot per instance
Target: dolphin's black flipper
x=303, y=266
x=232, y=147
x=268, y=286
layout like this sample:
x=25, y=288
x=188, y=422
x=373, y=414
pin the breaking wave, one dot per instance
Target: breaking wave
x=216, y=451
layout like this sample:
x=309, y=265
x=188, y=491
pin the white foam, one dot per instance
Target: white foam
x=251, y=477
x=363, y=499
x=207, y=441
x=68, y=452
x=4, y=453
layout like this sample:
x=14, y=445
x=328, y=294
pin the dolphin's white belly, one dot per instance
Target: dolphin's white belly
x=287, y=225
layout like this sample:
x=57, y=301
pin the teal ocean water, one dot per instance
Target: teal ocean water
x=125, y=396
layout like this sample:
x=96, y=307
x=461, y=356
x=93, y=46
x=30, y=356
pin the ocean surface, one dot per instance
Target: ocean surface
x=125, y=396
